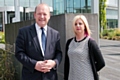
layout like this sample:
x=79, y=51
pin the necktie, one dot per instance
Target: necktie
x=43, y=39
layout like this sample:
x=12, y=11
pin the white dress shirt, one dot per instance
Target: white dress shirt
x=39, y=32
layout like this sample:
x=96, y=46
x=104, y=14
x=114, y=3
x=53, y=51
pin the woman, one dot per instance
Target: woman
x=83, y=57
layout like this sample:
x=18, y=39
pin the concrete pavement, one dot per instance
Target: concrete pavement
x=111, y=53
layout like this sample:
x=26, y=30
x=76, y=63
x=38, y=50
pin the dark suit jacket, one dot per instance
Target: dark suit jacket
x=28, y=52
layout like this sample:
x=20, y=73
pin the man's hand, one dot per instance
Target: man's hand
x=45, y=66
x=40, y=66
x=50, y=64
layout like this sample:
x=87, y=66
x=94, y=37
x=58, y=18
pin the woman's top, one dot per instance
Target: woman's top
x=80, y=67
x=95, y=55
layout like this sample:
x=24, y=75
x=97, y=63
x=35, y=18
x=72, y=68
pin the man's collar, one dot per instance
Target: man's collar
x=38, y=27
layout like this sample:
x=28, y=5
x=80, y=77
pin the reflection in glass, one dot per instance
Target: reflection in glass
x=58, y=7
x=78, y=6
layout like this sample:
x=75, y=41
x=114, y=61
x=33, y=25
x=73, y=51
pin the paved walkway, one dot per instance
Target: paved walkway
x=111, y=53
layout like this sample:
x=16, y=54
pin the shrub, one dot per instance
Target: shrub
x=6, y=66
x=105, y=33
x=2, y=37
x=117, y=31
x=111, y=34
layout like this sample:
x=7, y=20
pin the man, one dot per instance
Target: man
x=40, y=61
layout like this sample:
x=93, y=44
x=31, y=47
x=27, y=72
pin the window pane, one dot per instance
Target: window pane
x=9, y=2
x=33, y=3
x=1, y=3
x=58, y=7
x=25, y=3
x=49, y=2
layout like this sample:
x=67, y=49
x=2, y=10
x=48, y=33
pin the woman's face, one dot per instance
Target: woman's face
x=79, y=26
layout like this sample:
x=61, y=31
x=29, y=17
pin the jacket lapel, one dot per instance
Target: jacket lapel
x=48, y=40
x=35, y=37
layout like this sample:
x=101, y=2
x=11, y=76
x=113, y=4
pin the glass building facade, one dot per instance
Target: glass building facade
x=71, y=6
x=112, y=18
x=112, y=13
x=26, y=8
x=58, y=6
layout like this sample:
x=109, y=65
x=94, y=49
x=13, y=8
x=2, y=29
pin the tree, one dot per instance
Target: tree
x=102, y=14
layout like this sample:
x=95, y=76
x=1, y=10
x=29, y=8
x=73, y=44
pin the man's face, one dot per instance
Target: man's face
x=42, y=15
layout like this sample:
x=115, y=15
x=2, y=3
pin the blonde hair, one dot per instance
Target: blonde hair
x=84, y=19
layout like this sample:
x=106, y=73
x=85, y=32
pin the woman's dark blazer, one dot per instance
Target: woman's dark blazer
x=96, y=59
